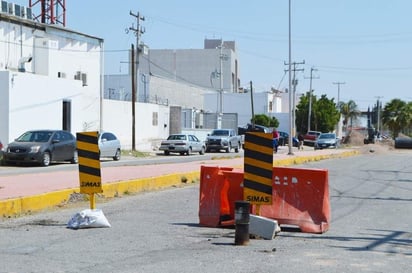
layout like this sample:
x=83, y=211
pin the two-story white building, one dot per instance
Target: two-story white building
x=50, y=77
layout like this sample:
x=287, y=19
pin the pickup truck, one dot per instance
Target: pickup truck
x=310, y=138
x=223, y=139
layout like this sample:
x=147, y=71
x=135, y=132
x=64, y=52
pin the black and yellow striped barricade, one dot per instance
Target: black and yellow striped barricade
x=89, y=164
x=258, y=168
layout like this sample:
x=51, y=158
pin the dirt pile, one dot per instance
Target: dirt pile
x=356, y=139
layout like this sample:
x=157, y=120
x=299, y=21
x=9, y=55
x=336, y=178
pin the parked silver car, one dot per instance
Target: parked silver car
x=109, y=146
x=326, y=140
x=42, y=147
x=182, y=144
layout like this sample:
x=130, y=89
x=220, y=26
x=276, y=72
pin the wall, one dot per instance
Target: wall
x=117, y=118
x=36, y=102
x=159, y=90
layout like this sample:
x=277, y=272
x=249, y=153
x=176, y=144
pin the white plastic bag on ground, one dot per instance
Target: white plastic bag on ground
x=88, y=218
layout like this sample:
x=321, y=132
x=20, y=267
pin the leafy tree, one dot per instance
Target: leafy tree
x=264, y=120
x=302, y=113
x=397, y=116
x=324, y=115
x=349, y=111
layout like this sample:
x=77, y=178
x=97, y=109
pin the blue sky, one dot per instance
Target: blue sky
x=364, y=43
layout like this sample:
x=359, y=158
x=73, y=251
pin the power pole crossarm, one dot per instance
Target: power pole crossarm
x=292, y=97
x=338, y=84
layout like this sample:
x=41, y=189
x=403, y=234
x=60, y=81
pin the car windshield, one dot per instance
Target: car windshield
x=220, y=133
x=327, y=136
x=35, y=136
x=177, y=137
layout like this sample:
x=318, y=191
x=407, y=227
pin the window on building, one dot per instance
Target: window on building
x=155, y=118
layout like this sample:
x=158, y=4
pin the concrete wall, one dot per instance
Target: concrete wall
x=158, y=90
x=152, y=123
x=36, y=102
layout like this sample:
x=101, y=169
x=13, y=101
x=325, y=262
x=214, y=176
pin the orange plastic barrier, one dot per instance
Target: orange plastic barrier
x=219, y=189
x=300, y=198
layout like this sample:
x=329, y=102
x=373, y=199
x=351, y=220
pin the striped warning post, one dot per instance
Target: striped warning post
x=258, y=166
x=89, y=162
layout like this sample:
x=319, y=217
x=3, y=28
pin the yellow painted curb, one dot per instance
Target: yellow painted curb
x=25, y=205
x=304, y=159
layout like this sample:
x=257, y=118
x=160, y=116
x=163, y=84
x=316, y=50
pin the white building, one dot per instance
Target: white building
x=49, y=78
x=271, y=103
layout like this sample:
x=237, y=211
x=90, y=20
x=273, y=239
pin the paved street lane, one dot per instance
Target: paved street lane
x=370, y=194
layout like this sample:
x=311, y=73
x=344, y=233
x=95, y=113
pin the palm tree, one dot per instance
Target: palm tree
x=397, y=116
x=349, y=111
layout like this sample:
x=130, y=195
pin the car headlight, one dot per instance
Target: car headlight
x=35, y=149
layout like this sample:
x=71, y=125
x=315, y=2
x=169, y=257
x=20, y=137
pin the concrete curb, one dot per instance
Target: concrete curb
x=29, y=204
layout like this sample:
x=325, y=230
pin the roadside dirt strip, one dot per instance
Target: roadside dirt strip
x=28, y=193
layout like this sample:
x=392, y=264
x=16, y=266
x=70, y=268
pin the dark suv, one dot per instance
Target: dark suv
x=42, y=147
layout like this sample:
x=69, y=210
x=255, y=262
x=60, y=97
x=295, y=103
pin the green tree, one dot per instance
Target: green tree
x=302, y=114
x=397, y=116
x=264, y=120
x=324, y=115
x=349, y=111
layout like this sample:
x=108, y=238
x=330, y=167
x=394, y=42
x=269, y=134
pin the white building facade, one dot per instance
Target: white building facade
x=50, y=78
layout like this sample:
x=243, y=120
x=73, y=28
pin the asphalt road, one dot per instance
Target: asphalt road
x=370, y=231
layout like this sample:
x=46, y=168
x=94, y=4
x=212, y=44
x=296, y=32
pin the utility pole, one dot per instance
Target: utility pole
x=221, y=58
x=338, y=127
x=379, y=109
x=294, y=83
x=251, y=102
x=133, y=100
x=310, y=95
x=138, y=31
x=338, y=84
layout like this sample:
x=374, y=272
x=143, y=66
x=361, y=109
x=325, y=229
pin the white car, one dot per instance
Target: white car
x=182, y=144
x=109, y=146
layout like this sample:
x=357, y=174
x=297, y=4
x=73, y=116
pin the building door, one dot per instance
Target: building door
x=67, y=114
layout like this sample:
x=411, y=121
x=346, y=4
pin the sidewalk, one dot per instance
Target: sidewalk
x=20, y=194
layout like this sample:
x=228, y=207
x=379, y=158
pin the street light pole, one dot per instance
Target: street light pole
x=290, y=84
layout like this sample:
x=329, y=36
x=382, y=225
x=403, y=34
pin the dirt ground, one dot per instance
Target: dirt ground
x=384, y=146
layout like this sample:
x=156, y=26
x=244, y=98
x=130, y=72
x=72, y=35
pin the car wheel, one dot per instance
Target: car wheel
x=182, y=153
x=167, y=153
x=202, y=151
x=228, y=149
x=237, y=149
x=45, y=160
x=117, y=156
x=189, y=151
x=75, y=158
